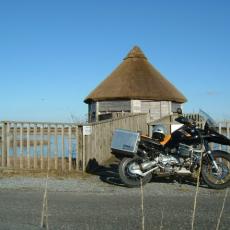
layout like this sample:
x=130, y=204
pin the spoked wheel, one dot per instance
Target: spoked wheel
x=217, y=179
x=127, y=168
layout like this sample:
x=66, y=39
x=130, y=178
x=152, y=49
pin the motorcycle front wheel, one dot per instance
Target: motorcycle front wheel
x=217, y=179
x=129, y=178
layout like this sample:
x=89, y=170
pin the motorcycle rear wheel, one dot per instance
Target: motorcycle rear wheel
x=128, y=178
x=220, y=179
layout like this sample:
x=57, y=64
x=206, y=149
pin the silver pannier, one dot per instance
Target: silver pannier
x=125, y=142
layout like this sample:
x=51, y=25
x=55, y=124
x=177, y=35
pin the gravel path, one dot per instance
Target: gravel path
x=101, y=202
x=94, y=184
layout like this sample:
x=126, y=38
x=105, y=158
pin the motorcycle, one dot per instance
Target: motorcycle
x=186, y=152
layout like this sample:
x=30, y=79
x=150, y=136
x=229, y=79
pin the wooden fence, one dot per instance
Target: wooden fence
x=60, y=146
x=223, y=128
x=97, y=145
x=39, y=145
x=67, y=146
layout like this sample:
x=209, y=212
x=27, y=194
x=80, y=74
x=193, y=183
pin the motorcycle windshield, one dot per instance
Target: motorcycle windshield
x=208, y=119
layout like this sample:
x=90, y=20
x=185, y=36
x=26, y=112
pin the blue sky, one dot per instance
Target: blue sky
x=53, y=53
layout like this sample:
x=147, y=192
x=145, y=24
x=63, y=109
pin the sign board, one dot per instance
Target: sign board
x=87, y=130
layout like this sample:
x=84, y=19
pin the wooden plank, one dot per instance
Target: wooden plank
x=15, y=145
x=41, y=145
x=4, y=144
x=77, y=149
x=63, y=148
x=83, y=153
x=35, y=147
x=114, y=106
x=21, y=147
x=44, y=123
x=56, y=147
x=48, y=148
x=8, y=144
x=28, y=146
x=70, y=147
x=94, y=144
x=80, y=147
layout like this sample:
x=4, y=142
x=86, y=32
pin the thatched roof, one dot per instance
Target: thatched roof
x=135, y=78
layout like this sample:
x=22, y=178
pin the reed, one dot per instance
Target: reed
x=222, y=210
x=142, y=206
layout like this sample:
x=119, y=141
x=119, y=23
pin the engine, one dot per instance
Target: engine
x=174, y=164
x=170, y=161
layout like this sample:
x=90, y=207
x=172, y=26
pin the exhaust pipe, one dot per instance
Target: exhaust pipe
x=146, y=173
x=148, y=165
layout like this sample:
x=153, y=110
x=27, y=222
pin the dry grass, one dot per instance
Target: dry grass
x=44, y=216
x=195, y=199
x=162, y=217
x=142, y=207
x=58, y=174
x=222, y=210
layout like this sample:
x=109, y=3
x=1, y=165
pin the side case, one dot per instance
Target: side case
x=125, y=142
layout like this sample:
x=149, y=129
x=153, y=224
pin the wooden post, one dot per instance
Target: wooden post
x=15, y=145
x=70, y=148
x=35, y=147
x=80, y=147
x=28, y=146
x=83, y=152
x=77, y=149
x=63, y=148
x=21, y=147
x=48, y=148
x=4, y=144
x=56, y=147
x=8, y=144
x=41, y=145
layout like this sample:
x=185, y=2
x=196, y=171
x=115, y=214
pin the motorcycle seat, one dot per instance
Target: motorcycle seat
x=149, y=140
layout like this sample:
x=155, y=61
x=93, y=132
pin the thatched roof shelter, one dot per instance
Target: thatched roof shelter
x=135, y=78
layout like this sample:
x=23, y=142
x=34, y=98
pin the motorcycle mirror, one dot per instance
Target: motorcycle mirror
x=179, y=111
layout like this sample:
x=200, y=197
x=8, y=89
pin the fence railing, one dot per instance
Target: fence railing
x=38, y=145
x=68, y=146
x=60, y=146
x=223, y=128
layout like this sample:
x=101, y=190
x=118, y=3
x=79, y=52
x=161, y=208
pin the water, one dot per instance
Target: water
x=45, y=146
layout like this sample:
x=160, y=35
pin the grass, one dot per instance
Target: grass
x=58, y=174
x=142, y=207
x=222, y=209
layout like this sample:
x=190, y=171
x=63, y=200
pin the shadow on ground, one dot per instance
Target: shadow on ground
x=108, y=173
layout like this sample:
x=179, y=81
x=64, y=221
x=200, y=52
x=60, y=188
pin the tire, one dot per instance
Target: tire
x=213, y=179
x=129, y=179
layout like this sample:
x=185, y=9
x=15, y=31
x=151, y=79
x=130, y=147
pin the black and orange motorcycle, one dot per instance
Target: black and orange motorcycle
x=185, y=152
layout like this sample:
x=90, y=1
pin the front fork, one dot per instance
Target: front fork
x=210, y=156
